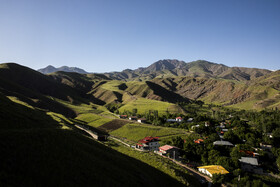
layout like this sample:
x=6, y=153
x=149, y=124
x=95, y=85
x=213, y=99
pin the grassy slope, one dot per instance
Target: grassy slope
x=161, y=164
x=144, y=105
x=135, y=132
x=35, y=150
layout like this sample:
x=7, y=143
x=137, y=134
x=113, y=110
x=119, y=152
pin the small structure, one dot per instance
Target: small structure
x=250, y=164
x=133, y=118
x=142, y=120
x=190, y=120
x=148, y=144
x=179, y=119
x=195, y=126
x=265, y=146
x=170, y=151
x=212, y=169
x=171, y=120
x=123, y=116
x=199, y=141
x=248, y=153
x=222, y=143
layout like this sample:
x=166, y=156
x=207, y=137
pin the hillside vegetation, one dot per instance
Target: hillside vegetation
x=38, y=112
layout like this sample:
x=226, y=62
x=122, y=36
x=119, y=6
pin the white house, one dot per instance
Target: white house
x=168, y=150
x=142, y=120
x=179, y=119
x=148, y=144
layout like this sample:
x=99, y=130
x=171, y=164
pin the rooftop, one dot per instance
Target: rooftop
x=249, y=160
x=167, y=147
x=215, y=169
x=149, y=139
x=223, y=143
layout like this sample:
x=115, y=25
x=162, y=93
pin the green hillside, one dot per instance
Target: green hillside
x=36, y=150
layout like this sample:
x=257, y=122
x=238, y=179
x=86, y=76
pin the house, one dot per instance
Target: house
x=194, y=126
x=222, y=143
x=123, y=116
x=265, y=146
x=269, y=135
x=248, y=153
x=171, y=120
x=132, y=118
x=142, y=120
x=190, y=120
x=222, y=125
x=148, y=144
x=199, y=141
x=170, y=151
x=250, y=164
x=179, y=119
x=212, y=169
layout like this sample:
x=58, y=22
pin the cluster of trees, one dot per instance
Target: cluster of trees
x=246, y=129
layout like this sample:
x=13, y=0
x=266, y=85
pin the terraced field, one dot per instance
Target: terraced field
x=135, y=132
x=144, y=105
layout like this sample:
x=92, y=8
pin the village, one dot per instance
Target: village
x=222, y=155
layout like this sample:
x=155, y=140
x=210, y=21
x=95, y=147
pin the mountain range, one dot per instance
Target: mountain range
x=201, y=68
x=38, y=113
x=247, y=88
x=51, y=69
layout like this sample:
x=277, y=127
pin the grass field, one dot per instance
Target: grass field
x=112, y=85
x=144, y=105
x=135, y=132
x=93, y=120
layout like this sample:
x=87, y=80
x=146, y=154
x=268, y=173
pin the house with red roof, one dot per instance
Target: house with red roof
x=170, y=151
x=199, y=141
x=132, y=118
x=123, y=116
x=149, y=143
x=248, y=153
x=179, y=119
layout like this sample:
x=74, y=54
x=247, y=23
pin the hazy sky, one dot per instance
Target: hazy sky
x=112, y=35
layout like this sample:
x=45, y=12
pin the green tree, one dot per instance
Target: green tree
x=213, y=156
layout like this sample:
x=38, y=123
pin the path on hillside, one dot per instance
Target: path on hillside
x=196, y=173
x=117, y=139
x=87, y=131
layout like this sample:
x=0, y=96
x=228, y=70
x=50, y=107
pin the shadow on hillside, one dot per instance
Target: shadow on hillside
x=56, y=157
x=17, y=116
x=165, y=94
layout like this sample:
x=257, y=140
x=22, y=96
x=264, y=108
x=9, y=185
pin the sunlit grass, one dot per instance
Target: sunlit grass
x=135, y=132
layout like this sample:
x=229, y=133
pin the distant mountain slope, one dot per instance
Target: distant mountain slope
x=172, y=68
x=37, y=89
x=51, y=69
x=259, y=93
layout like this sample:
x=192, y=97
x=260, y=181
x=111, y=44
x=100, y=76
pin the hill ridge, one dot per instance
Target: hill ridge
x=52, y=69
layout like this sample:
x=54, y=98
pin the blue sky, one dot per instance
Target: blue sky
x=112, y=35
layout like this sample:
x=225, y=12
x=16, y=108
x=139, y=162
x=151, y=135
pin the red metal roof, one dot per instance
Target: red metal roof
x=179, y=118
x=167, y=147
x=198, y=141
x=149, y=139
x=250, y=153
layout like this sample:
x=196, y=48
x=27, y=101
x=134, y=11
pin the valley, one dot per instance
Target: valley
x=39, y=113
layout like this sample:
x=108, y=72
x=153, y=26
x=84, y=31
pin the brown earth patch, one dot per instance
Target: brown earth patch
x=113, y=125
